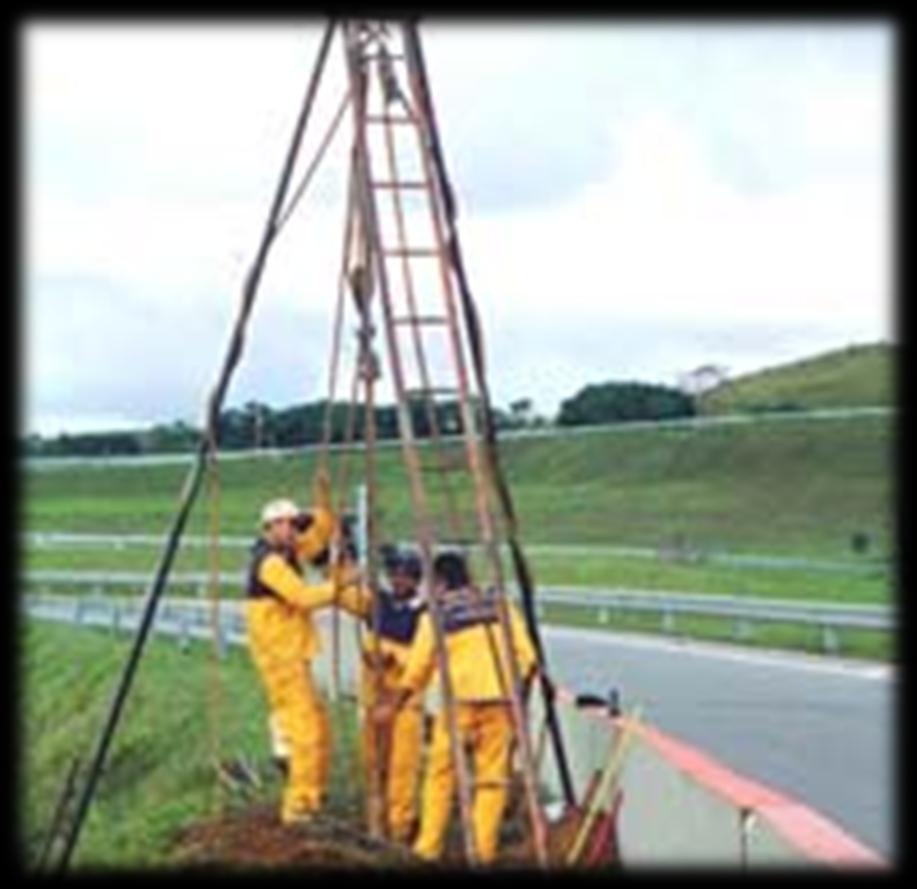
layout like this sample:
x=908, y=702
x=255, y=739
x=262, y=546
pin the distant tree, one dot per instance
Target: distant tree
x=615, y=402
x=387, y=422
x=32, y=445
x=501, y=419
x=521, y=412
x=260, y=417
x=170, y=438
x=95, y=444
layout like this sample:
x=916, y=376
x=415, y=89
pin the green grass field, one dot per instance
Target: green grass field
x=159, y=774
x=549, y=569
x=789, y=487
x=792, y=487
x=858, y=375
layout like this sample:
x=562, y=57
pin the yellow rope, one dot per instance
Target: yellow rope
x=214, y=685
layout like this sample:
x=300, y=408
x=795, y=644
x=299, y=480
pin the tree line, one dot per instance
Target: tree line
x=259, y=425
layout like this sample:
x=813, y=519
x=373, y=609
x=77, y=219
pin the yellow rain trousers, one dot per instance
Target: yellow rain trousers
x=484, y=724
x=398, y=743
x=283, y=641
x=487, y=729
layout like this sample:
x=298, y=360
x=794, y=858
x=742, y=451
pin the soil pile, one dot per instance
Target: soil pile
x=255, y=838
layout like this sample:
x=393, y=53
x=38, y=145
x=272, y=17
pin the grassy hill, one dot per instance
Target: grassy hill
x=859, y=375
x=790, y=487
x=786, y=486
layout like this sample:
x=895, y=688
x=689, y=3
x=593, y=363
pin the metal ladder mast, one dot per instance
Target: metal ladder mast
x=413, y=270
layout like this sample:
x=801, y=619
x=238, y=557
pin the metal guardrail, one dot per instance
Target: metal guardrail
x=67, y=539
x=744, y=612
x=184, y=618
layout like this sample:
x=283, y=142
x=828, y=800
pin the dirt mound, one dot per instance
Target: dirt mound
x=255, y=838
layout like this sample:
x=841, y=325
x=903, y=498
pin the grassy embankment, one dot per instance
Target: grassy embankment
x=159, y=775
x=789, y=488
x=858, y=376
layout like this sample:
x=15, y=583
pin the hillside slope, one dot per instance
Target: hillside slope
x=856, y=376
x=793, y=486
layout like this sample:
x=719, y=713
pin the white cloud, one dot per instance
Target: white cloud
x=632, y=199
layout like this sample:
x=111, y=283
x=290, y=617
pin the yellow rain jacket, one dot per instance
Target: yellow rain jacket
x=482, y=713
x=473, y=669
x=398, y=743
x=283, y=640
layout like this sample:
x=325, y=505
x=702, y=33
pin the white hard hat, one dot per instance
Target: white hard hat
x=279, y=509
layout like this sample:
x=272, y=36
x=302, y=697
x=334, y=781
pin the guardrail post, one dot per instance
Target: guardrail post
x=115, y=618
x=78, y=610
x=184, y=638
x=603, y=615
x=668, y=621
x=742, y=629
x=829, y=640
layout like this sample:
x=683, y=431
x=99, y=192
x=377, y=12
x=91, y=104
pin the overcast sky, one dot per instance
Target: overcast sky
x=635, y=201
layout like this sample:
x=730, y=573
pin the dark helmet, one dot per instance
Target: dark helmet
x=451, y=569
x=409, y=563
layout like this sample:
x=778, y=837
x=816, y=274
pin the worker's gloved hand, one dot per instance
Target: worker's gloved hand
x=381, y=660
x=387, y=706
x=384, y=710
x=302, y=522
x=344, y=574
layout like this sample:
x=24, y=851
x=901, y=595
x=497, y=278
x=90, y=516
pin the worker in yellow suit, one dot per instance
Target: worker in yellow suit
x=283, y=641
x=395, y=746
x=314, y=531
x=479, y=665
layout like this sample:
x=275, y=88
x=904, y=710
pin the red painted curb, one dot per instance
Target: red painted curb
x=811, y=833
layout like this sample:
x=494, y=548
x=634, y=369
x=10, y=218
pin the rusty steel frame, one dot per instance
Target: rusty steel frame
x=357, y=77
x=414, y=55
x=478, y=465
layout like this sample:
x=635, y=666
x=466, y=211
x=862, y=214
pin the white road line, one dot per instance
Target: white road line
x=723, y=651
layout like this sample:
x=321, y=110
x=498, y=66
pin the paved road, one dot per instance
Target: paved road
x=819, y=730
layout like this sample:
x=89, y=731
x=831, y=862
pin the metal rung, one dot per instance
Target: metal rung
x=432, y=390
x=394, y=56
x=420, y=319
x=402, y=185
x=410, y=251
x=390, y=118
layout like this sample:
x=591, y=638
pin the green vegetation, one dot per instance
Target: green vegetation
x=856, y=376
x=792, y=487
x=617, y=402
x=789, y=487
x=549, y=568
x=159, y=775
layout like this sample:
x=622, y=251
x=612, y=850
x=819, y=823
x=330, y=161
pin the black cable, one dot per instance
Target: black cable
x=195, y=473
